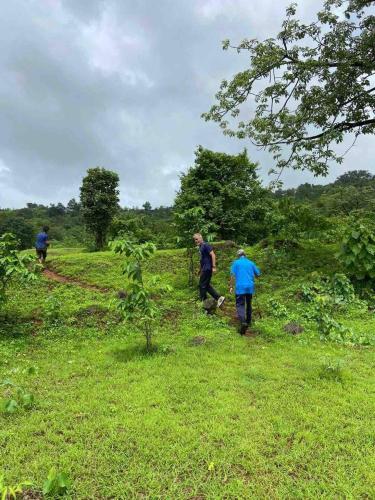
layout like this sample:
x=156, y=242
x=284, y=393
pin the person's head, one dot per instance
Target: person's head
x=241, y=253
x=45, y=229
x=198, y=238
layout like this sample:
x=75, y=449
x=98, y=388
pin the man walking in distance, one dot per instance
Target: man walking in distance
x=41, y=244
x=244, y=272
x=207, y=267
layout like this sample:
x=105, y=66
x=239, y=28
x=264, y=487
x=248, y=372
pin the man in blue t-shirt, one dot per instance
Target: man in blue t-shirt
x=244, y=272
x=207, y=267
x=41, y=244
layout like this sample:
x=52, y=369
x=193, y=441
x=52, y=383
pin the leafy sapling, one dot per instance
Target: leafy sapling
x=136, y=303
x=16, y=397
x=56, y=484
x=13, y=264
x=8, y=492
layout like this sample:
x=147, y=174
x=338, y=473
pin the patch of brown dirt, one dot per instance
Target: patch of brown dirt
x=52, y=275
x=293, y=328
x=171, y=316
x=250, y=333
x=232, y=315
x=31, y=495
x=199, y=340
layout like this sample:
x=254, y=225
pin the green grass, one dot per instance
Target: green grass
x=274, y=416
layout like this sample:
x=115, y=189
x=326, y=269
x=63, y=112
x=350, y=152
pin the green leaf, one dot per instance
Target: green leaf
x=30, y=370
x=27, y=400
x=10, y=406
x=63, y=481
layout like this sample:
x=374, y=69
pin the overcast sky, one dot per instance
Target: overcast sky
x=122, y=84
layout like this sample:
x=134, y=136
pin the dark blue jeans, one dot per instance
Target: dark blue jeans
x=206, y=287
x=243, y=306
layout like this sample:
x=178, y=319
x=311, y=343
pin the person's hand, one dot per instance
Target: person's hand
x=230, y=289
x=214, y=269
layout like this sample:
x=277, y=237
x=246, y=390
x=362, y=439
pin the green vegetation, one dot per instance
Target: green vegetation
x=12, y=264
x=279, y=219
x=7, y=491
x=57, y=484
x=283, y=413
x=358, y=252
x=228, y=190
x=136, y=303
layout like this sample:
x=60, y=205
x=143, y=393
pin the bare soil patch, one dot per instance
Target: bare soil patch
x=54, y=276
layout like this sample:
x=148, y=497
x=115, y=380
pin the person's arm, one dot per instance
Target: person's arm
x=231, y=283
x=256, y=271
x=213, y=257
x=232, y=278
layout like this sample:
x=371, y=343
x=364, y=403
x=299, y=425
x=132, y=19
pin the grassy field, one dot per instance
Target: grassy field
x=273, y=415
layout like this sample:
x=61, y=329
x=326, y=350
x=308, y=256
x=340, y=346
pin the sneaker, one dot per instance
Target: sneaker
x=220, y=301
x=243, y=328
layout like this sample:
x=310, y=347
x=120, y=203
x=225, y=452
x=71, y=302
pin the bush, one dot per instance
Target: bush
x=357, y=252
x=12, y=263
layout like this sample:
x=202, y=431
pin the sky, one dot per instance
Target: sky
x=122, y=84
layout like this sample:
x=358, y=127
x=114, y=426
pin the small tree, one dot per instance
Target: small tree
x=189, y=222
x=13, y=264
x=147, y=207
x=99, y=199
x=136, y=303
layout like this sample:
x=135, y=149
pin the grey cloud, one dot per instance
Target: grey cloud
x=120, y=84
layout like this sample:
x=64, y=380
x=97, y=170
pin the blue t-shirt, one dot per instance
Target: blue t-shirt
x=41, y=241
x=206, y=259
x=244, y=270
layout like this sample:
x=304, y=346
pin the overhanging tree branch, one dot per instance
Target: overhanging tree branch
x=329, y=65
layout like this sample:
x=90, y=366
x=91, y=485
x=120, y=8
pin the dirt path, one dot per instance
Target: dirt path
x=53, y=276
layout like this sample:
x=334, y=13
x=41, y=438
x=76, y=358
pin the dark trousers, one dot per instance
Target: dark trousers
x=243, y=306
x=205, y=286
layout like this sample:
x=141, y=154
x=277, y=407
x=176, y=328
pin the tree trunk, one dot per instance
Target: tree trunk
x=148, y=337
x=190, y=254
x=99, y=240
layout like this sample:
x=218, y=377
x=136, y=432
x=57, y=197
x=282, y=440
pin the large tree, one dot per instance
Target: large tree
x=99, y=200
x=307, y=88
x=227, y=190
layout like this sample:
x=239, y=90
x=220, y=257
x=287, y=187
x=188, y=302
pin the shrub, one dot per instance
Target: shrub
x=357, y=252
x=12, y=263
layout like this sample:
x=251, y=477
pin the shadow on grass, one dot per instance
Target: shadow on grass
x=134, y=352
x=18, y=327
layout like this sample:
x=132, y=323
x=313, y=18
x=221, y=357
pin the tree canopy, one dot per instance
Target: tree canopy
x=225, y=188
x=309, y=87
